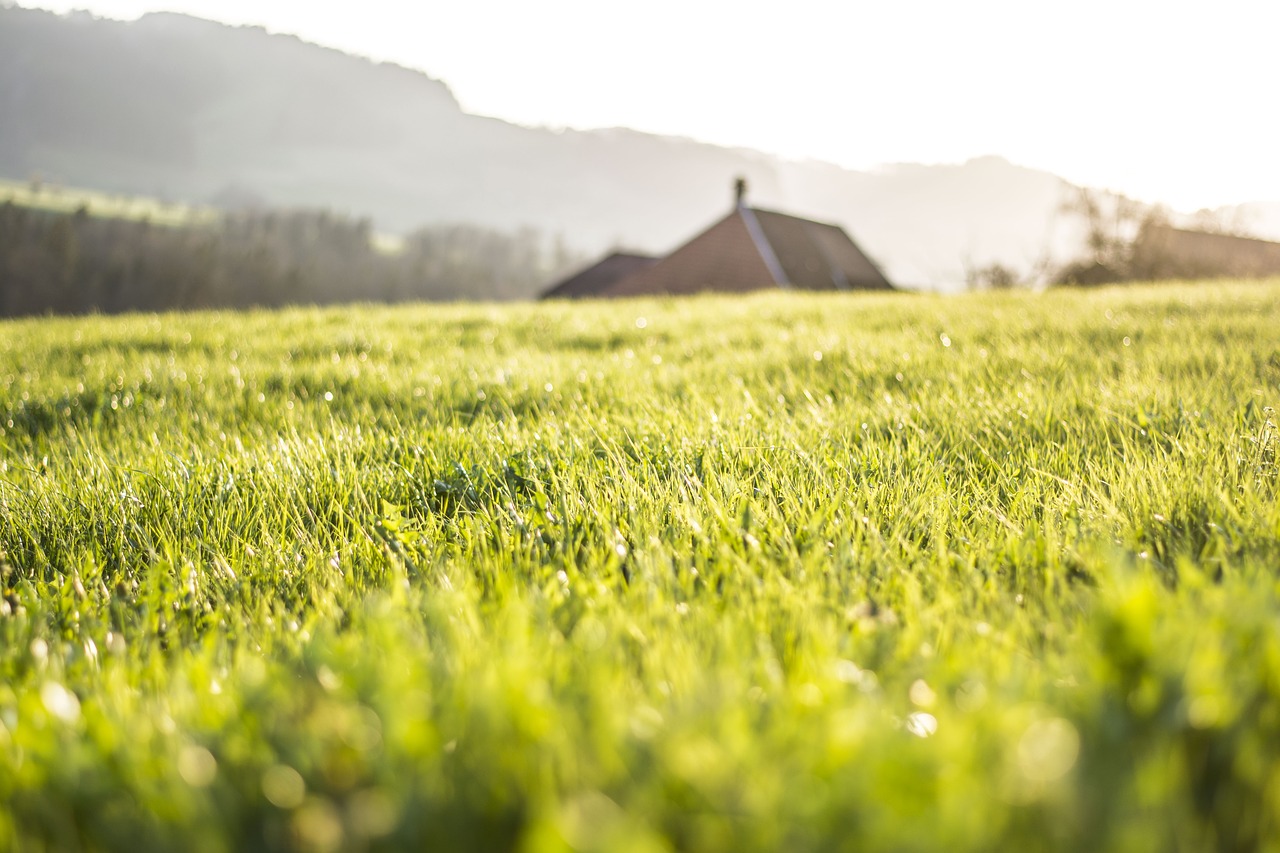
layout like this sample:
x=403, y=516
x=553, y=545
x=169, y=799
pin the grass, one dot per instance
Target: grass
x=784, y=572
x=60, y=199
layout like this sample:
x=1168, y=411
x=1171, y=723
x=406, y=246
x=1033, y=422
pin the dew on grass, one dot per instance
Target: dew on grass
x=971, y=696
x=60, y=702
x=363, y=730
x=645, y=722
x=848, y=672
x=921, y=694
x=197, y=766
x=283, y=786
x=371, y=813
x=1204, y=712
x=318, y=826
x=921, y=724
x=1048, y=749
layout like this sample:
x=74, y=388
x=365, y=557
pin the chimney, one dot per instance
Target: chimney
x=740, y=191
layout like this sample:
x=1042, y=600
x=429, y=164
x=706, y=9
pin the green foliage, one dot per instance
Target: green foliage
x=35, y=194
x=789, y=572
x=81, y=262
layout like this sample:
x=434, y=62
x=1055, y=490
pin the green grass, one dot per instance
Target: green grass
x=70, y=199
x=783, y=572
x=59, y=199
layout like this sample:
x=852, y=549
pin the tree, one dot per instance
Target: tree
x=992, y=276
x=1113, y=223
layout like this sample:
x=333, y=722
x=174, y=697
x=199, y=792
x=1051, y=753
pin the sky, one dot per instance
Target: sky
x=1168, y=101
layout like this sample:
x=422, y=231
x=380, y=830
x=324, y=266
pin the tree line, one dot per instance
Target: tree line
x=1128, y=240
x=66, y=263
x=1125, y=240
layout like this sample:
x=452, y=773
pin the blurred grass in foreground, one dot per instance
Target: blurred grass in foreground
x=776, y=573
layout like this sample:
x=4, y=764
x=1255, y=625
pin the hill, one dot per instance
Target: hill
x=190, y=110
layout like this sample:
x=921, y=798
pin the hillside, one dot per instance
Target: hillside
x=195, y=111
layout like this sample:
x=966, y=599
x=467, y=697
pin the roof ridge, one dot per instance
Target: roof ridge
x=766, y=250
x=794, y=217
x=838, y=278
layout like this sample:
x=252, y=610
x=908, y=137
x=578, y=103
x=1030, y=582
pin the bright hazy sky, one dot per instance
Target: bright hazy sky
x=1166, y=100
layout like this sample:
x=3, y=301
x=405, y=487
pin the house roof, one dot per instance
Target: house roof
x=1162, y=251
x=753, y=249
x=722, y=258
x=598, y=276
x=818, y=255
x=750, y=249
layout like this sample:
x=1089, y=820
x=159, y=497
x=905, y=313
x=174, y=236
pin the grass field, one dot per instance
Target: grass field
x=996, y=572
x=59, y=199
x=70, y=199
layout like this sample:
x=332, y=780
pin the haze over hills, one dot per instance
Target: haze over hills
x=192, y=110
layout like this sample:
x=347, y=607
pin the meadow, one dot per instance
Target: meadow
x=60, y=199
x=785, y=572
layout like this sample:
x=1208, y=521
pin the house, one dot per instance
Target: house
x=1162, y=251
x=749, y=249
x=600, y=275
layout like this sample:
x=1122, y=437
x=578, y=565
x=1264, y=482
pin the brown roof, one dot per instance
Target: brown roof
x=752, y=249
x=1165, y=252
x=722, y=258
x=597, y=277
x=818, y=255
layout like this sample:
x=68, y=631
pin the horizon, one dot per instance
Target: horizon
x=792, y=106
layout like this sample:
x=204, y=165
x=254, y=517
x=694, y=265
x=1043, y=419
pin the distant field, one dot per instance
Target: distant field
x=61, y=199
x=784, y=572
x=69, y=199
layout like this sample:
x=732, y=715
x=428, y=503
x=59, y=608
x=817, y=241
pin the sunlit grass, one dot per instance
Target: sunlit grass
x=61, y=199
x=776, y=573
